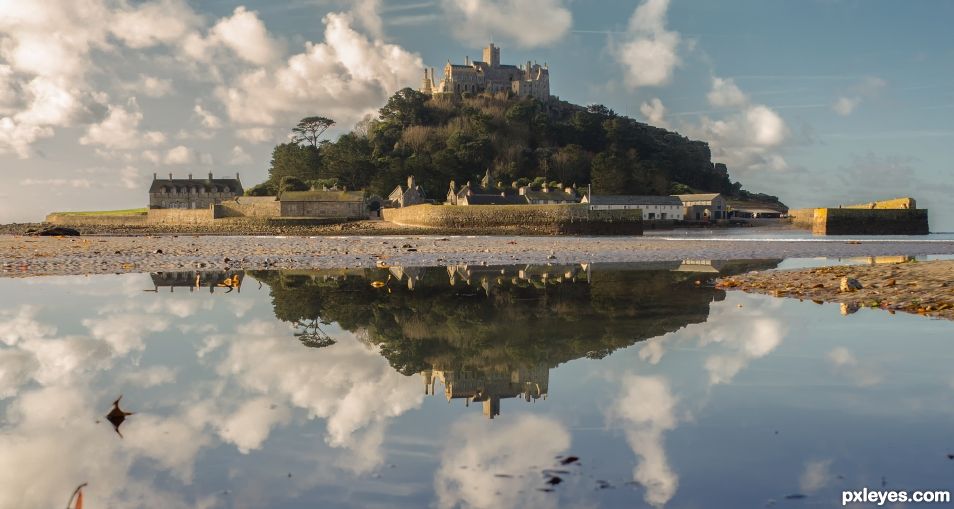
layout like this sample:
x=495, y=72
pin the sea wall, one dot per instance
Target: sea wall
x=95, y=220
x=531, y=219
x=802, y=218
x=180, y=216
x=248, y=206
x=895, y=203
x=845, y=221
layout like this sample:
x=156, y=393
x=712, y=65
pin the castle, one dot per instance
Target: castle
x=490, y=75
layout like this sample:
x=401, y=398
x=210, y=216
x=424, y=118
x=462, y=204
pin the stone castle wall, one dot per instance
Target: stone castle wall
x=896, y=203
x=180, y=216
x=533, y=219
x=99, y=220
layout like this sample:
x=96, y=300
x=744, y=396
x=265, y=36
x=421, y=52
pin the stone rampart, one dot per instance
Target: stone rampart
x=95, y=220
x=179, y=216
x=249, y=206
x=532, y=219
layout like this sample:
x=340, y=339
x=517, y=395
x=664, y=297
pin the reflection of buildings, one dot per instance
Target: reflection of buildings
x=226, y=281
x=881, y=260
x=490, y=386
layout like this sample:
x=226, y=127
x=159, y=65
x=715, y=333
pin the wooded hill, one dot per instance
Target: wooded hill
x=443, y=138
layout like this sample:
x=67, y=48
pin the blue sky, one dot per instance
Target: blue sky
x=818, y=101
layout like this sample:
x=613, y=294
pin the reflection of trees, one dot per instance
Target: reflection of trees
x=311, y=335
x=493, y=318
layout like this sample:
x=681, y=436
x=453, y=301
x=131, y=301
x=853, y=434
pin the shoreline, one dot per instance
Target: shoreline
x=923, y=288
x=33, y=256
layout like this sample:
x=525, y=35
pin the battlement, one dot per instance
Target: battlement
x=489, y=75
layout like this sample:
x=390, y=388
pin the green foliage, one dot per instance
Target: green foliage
x=443, y=138
x=263, y=189
x=290, y=183
x=310, y=129
x=293, y=160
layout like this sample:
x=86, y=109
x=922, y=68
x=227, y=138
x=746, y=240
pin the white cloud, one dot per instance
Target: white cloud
x=817, y=475
x=648, y=52
x=475, y=453
x=256, y=134
x=844, y=106
x=645, y=411
x=120, y=129
x=344, y=77
x=151, y=86
x=750, y=138
x=726, y=94
x=655, y=112
x=245, y=34
x=207, y=118
x=527, y=23
x=179, y=155
x=239, y=156
x=149, y=377
x=366, y=13
x=251, y=424
x=58, y=182
x=863, y=374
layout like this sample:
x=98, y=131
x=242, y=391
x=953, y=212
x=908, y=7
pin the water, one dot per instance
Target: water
x=468, y=387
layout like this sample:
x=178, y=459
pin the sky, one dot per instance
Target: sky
x=820, y=102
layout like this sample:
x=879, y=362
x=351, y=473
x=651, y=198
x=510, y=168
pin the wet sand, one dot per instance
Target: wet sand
x=28, y=256
x=925, y=288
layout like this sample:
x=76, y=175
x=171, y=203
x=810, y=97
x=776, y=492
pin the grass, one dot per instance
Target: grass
x=126, y=212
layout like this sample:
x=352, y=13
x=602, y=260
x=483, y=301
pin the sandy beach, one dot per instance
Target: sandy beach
x=925, y=288
x=29, y=256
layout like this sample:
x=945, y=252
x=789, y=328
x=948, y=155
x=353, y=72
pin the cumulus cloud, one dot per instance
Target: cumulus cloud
x=648, y=52
x=346, y=76
x=748, y=138
x=239, y=156
x=251, y=424
x=655, y=112
x=844, y=106
x=245, y=34
x=179, y=155
x=527, y=23
x=120, y=129
x=476, y=453
x=206, y=117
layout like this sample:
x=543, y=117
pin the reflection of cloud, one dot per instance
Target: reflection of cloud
x=646, y=410
x=652, y=351
x=747, y=339
x=149, y=377
x=816, y=476
x=16, y=368
x=863, y=375
x=125, y=332
x=248, y=427
x=22, y=324
x=478, y=450
x=349, y=384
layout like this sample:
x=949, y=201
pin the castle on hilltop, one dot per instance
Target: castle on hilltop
x=532, y=80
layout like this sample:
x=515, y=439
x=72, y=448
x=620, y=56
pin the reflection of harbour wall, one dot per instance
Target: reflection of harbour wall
x=541, y=219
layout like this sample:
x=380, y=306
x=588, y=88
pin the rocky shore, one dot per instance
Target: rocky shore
x=924, y=288
x=28, y=256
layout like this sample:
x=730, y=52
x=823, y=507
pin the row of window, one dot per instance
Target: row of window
x=193, y=190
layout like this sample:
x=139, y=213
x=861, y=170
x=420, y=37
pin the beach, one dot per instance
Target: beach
x=29, y=256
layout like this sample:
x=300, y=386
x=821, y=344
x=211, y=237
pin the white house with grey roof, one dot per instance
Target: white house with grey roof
x=653, y=207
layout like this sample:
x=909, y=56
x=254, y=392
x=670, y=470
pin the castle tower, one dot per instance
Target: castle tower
x=492, y=55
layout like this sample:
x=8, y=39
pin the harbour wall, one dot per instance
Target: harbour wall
x=520, y=219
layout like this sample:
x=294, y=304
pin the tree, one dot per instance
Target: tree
x=609, y=174
x=293, y=160
x=289, y=183
x=310, y=129
x=406, y=107
x=263, y=189
x=348, y=161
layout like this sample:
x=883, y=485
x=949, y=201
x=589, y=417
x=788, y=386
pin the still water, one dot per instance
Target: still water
x=634, y=385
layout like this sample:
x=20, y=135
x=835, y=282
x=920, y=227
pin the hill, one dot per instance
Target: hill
x=442, y=138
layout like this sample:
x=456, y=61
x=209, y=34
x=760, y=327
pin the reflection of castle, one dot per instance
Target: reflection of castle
x=489, y=387
x=193, y=280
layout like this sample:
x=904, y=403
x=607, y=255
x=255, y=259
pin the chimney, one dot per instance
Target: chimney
x=190, y=176
x=237, y=176
x=170, y=176
x=210, y=176
x=155, y=176
x=410, y=182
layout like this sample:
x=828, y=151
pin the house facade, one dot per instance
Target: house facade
x=404, y=197
x=189, y=193
x=703, y=207
x=653, y=207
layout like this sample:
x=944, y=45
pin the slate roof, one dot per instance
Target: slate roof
x=627, y=199
x=339, y=196
x=550, y=195
x=234, y=185
x=697, y=197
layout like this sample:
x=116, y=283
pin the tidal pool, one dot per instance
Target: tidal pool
x=607, y=385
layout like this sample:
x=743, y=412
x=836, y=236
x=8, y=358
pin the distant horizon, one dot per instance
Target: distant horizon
x=819, y=102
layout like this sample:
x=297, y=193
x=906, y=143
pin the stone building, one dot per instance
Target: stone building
x=489, y=75
x=549, y=196
x=189, y=193
x=653, y=207
x=401, y=197
x=321, y=204
x=703, y=207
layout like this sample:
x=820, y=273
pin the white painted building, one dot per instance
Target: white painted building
x=653, y=207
